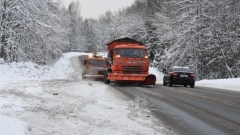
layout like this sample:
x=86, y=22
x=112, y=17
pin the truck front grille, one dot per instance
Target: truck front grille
x=132, y=69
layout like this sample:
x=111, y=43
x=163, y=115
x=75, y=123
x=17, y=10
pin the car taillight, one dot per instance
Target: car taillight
x=192, y=75
x=174, y=74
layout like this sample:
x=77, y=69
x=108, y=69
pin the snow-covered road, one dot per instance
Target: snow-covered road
x=73, y=107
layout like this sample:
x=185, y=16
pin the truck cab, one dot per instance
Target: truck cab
x=130, y=59
x=94, y=67
x=129, y=63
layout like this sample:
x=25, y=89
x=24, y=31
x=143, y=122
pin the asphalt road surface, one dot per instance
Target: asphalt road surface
x=199, y=110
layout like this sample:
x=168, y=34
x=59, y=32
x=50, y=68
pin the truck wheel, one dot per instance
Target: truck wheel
x=164, y=84
x=105, y=80
x=83, y=73
x=83, y=77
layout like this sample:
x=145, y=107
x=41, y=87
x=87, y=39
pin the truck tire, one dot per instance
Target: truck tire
x=105, y=80
x=170, y=83
x=164, y=84
x=83, y=77
x=83, y=73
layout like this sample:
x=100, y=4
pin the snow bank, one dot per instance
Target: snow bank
x=158, y=74
x=30, y=71
x=228, y=84
x=10, y=126
x=1, y=60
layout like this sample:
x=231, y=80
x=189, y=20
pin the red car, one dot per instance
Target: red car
x=179, y=76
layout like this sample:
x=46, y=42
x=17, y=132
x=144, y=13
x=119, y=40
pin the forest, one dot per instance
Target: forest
x=201, y=34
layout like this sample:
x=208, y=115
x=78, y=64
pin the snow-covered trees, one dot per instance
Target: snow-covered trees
x=206, y=37
x=10, y=28
x=75, y=36
x=31, y=30
x=201, y=34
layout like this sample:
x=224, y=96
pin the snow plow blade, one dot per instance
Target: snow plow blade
x=142, y=79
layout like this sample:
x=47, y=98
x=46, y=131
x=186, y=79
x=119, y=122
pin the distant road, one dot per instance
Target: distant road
x=189, y=111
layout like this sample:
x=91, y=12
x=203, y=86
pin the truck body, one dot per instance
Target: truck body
x=94, y=67
x=129, y=63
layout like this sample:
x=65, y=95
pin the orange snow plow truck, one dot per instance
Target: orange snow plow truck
x=94, y=67
x=128, y=63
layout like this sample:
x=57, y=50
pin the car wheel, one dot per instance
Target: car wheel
x=105, y=80
x=192, y=86
x=185, y=85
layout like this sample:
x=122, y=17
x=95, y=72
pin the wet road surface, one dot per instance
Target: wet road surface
x=199, y=110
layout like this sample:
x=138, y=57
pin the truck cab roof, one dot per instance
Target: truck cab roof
x=128, y=42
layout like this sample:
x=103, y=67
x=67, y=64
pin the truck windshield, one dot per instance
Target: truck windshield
x=97, y=62
x=135, y=53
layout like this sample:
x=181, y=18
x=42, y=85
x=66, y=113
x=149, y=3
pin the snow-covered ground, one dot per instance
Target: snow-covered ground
x=54, y=100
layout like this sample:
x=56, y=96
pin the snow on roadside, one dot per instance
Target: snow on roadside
x=79, y=107
x=30, y=71
x=158, y=74
x=227, y=84
x=19, y=73
x=11, y=126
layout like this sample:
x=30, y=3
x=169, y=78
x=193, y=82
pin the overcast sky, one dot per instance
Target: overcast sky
x=94, y=8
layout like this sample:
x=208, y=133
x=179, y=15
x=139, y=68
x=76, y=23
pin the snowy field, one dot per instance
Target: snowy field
x=54, y=100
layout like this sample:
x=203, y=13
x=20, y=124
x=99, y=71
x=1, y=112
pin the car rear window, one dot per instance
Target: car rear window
x=181, y=70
